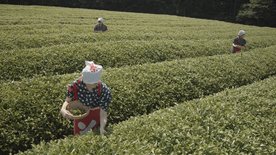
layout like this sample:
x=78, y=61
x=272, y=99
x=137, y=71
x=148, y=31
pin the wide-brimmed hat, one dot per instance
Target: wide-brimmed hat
x=91, y=73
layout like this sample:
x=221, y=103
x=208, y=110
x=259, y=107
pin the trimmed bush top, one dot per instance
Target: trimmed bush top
x=234, y=121
x=136, y=90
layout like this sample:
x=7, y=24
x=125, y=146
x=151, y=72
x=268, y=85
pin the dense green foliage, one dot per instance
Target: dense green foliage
x=50, y=41
x=151, y=61
x=258, y=12
x=239, y=121
x=136, y=90
x=63, y=59
x=194, y=8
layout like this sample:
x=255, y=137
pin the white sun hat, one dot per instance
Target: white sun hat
x=91, y=73
x=101, y=19
x=241, y=33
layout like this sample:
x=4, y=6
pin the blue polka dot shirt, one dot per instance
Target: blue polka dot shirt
x=91, y=98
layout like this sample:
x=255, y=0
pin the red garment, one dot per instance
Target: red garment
x=236, y=50
x=90, y=122
x=238, y=41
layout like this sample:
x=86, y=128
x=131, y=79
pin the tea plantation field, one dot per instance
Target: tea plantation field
x=154, y=64
x=240, y=121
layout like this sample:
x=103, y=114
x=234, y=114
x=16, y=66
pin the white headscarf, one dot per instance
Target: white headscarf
x=91, y=73
x=241, y=32
x=101, y=19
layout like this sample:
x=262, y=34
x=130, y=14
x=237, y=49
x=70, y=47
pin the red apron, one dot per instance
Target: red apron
x=90, y=122
x=236, y=50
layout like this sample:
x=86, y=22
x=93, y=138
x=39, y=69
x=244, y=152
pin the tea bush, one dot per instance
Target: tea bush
x=38, y=43
x=33, y=104
x=47, y=41
x=70, y=58
x=238, y=121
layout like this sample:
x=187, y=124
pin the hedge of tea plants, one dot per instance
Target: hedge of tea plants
x=238, y=121
x=40, y=43
x=37, y=40
x=70, y=58
x=33, y=104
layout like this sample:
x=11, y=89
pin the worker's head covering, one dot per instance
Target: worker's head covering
x=91, y=73
x=241, y=33
x=101, y=19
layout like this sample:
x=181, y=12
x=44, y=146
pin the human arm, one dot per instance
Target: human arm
x=239, y=43
x=104, y=104
x=238, y=46
x=103, y=121
x=96, y=28
x=69, y=96
x=64, y=112
x=104, y=28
